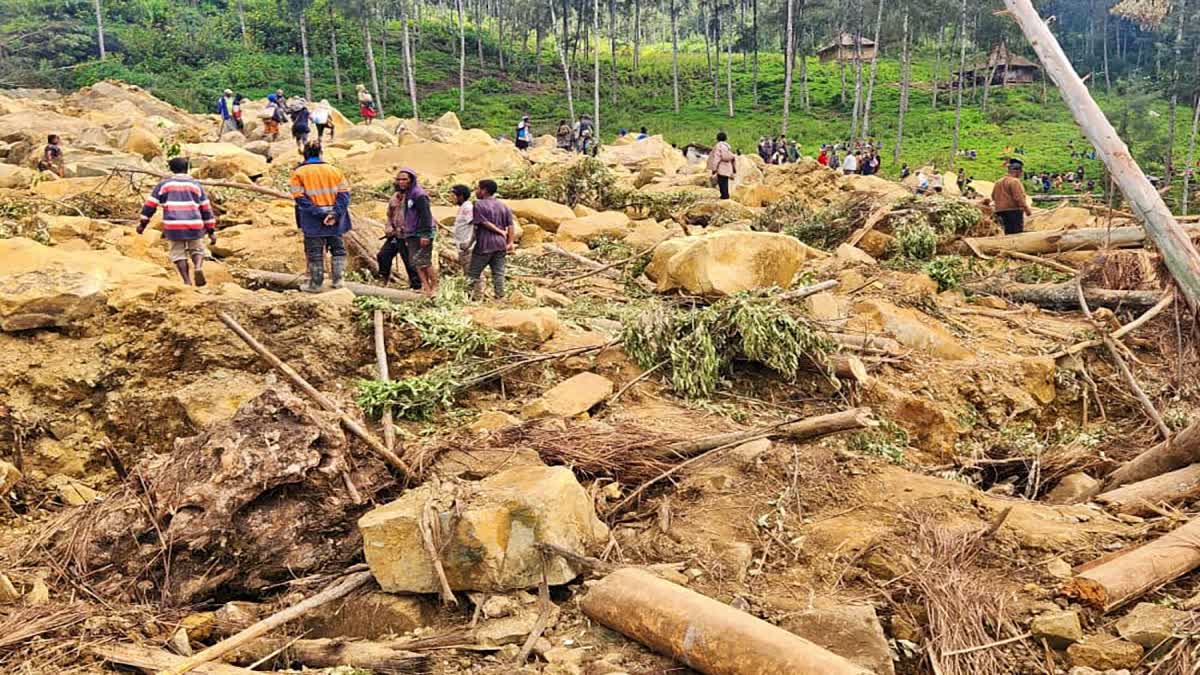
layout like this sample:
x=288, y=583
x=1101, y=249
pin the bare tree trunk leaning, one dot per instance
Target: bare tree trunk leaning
x=1180, y=255
x=729, y=74
x=1118, y=580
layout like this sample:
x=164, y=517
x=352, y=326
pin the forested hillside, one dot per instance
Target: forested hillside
x=1140, y=56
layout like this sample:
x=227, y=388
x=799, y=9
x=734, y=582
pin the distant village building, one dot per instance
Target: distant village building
x=1003, y=66
x=842, y=49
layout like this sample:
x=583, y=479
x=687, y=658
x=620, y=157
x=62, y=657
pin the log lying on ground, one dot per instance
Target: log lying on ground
x=1064, y=296
x=1176, y=452
x=1127, y=576
x=1059, y=241
x=802, y=430
x=287, y=281
x=1142, y=498
x=707, y=635
x=377, y=657
x=151, y=660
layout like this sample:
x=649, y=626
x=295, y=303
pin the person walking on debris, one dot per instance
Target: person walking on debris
x=1008, y=199
x=298, y=109
x=225, y=106
x=523, y=133
x=464, y=226
x=272, y=116
x=322, y=198
x=366, y=104
x=494, y=236
x=393, y=241
x=187, y=218
x=410, y=217
x=237, y=112
x=322, y=116
x=563, y=135
x=722, y=164
x=52, y=157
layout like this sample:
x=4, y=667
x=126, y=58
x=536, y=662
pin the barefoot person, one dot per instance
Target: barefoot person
x=410, y=232
x=322, y=198
x=187, y=217
x=464, y=226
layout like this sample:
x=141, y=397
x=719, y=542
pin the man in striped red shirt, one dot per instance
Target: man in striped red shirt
x=187, y=217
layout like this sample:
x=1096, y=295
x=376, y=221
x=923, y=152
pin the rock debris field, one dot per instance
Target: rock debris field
x=824, y=427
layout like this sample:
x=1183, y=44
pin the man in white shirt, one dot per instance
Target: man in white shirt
x=850, y=164
x=464, y=229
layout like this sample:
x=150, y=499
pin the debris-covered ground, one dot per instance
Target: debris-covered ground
x=858, y=416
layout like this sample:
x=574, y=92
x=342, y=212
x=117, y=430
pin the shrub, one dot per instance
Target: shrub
x=947, y=270
x=915, y=237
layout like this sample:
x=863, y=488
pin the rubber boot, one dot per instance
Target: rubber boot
x=339, y=271
x=316, y=277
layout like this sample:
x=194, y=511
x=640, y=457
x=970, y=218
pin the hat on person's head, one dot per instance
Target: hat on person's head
x=228, y=92
x=1015, y=164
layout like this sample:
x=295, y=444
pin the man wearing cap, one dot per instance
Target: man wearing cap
x=225, y=106
x=1008, y=199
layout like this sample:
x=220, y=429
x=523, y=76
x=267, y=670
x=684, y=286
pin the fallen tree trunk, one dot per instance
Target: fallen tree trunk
x=293, y=282
x=1064, y=296
x=1059, y=241
x=249, y=187
x=706, y=635
x=1176, y=452
x=155, y=660
x=341, y=589
x=1142, y=497
x=803, y=430
x=1127, y=576
x=377, y=657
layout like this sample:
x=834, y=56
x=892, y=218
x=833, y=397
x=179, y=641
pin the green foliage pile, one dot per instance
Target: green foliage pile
x=414, y=398
x=888, y=440
x=699, y=346
x=915, y=237
x=589, y=182
x=824, y=229
x=947, y=270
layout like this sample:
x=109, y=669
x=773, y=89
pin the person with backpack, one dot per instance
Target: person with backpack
x=584, y=131
x=523, y=133
x=366, y=104
x=272, y=116
x=322, y=116
x=322, y=200
x=225, y=106
x=564, y=136
x=298, y=109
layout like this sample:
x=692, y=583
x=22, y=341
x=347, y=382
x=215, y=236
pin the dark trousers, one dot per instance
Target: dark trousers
x=315, y=247
x=1013, y=221
x=480, y=261
x=723, y=186
x=387, y=254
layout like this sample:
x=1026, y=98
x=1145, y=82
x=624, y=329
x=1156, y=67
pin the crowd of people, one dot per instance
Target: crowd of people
x=860, y=157
x=778, y=150
x=278, y=110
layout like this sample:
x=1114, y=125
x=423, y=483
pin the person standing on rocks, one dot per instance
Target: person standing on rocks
x=366, y=104
x=1008, y=199
x=225, y=106
x=722, y=163
x=464, y=226
x=187, y=218
x=410, y=220
x=524, y=134
x=272, y=116
x=322, y=198
x=322, y=116
x=494, y=239
x=52, y=157
x=564, y=135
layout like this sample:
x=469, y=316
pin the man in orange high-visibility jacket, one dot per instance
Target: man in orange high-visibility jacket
x=323, y=214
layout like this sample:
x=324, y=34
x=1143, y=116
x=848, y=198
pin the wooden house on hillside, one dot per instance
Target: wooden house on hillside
x=842, y=49
x=1003, y=66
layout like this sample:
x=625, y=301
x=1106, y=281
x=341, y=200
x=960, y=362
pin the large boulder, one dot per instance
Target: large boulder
x=108, y=94
x=725, y=263
x=17, y=177
x=489, y=529
x=370, y=133
x=535, y=325
x=909, y=328
x=434, y=162
x=651, y=153
x=716, y=212
x=588, y=229
x=448, y=120
x=541, y=212
x=571, y=397
x=850, y=631
x=141, y=142
x=224, y=160
x=43, y=287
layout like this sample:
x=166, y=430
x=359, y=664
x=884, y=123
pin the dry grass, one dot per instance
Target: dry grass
x=966, y=608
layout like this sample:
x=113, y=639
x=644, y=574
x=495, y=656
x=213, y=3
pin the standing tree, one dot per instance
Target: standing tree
x=562, y=56
x=1170, y=158
x=333, y=49
x=866, y=125
x=299, y=8
x=754, y=45
x=241, y=12
x=858, y=71
x=675, y=53
x=729, y=72
x=905, y=77
x=962, y=65
x=1191, y=153
x=612, y=46
x=100, y=30
x=462, y=57
x=637, y=36
x=408, y=61
x=364, y=8
x=596, y=70
x=789, y=48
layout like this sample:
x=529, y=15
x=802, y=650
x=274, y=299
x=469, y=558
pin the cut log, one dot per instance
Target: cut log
x=151, y=660
x=283, y=280
x=800, y=431
x=377, y=657
x=1131, y=573
x=1179, y=451
x=708, y=636
x=1064, y=297
x=1059, y=241
x=381, y=368
x=1172, y=240
x=1143, y=497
